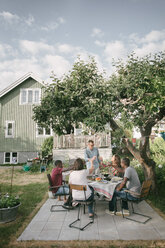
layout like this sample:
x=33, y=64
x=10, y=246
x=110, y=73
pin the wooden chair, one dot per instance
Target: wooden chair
x=51, y=187
x=140, y=197
x=80, y=204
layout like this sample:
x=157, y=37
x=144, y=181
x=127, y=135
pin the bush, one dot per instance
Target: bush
x=35, y=167
x=47, y=147
x=158, y=151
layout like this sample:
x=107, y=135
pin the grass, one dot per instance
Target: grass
x=31, y=195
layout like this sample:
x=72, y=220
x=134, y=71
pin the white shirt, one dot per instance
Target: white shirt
x=79, y=177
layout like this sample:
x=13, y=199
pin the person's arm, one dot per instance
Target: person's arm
x=68, y=169
x=92, y=166
x=122, y=184
x=119, y=169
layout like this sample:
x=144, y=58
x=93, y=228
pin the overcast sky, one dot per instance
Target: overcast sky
x=45, y=35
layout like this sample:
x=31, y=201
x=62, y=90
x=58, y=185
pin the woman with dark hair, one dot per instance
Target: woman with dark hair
x=116, y=164
x=79, y=176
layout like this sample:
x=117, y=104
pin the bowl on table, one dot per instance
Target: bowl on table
x=98, y=179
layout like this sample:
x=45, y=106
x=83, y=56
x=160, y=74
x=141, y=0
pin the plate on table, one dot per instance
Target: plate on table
x=116, y=179
x=104, y=181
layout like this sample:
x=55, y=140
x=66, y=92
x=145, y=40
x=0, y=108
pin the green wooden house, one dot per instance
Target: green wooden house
x=20, y=137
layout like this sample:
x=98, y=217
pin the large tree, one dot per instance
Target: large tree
x=139, y=95
x=135, y=94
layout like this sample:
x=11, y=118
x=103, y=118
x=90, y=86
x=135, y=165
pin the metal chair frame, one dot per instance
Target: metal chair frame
x=51, y=187
x=81, y=203
x=142, y=196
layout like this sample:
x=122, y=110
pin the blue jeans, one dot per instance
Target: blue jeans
x=123, y=195
x=90, y=206
x=63, y=190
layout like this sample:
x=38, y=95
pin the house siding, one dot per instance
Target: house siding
x=25, y=139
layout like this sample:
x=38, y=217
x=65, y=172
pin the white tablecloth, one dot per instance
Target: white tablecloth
x=106, y=189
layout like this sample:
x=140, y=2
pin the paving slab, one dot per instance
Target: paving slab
x=48, y=225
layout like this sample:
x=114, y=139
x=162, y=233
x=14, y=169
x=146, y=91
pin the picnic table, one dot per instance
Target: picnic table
x=104, y=187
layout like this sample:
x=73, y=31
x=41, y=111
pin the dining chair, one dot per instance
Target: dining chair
x=81, y=203
x=140, y=197
x=51, y=187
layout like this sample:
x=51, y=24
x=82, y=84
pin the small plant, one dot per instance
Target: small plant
x=8, y=201
x=35, y=168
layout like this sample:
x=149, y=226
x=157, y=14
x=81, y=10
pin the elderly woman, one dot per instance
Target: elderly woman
x=79, y=176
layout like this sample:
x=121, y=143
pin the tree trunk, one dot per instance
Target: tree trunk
x=141, y=155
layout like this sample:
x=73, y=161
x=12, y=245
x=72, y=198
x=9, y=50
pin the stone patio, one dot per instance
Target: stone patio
x=54, y=226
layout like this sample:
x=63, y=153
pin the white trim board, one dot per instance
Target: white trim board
x=19, y=81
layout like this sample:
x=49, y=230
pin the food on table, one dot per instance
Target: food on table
x=98, y=179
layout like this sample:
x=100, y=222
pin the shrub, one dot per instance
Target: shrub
x=158, y=151
x=47, y=147
x=35, y=167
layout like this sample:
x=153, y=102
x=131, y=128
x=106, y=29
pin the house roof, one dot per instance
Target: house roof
x=19, y=81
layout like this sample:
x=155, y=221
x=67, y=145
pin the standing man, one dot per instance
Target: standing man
x=89, y=153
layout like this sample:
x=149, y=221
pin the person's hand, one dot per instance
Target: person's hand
x=101, y=159
x=92, y=159
x=117, y=189
x=109, y=163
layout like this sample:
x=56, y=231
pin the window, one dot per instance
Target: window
x=7, y=157
x=36, y=96
x=9, y=129
x=23, y=97
x=30, y=96
x=11, y=157
x=14, y=157
x=41, y=131
x=47, y=131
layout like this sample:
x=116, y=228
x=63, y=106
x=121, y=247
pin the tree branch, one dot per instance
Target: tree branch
x=156, y=118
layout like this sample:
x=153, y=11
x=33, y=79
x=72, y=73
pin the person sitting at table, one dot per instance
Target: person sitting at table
x=132, y=183
x=116, y=164
x=89, y=152
x=79, y=176
x=56, y=177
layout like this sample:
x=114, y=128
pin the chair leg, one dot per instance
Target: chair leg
x=138, y=221
x=84, y=208
x=132, y=207
x=142, y=222
x=57, y=210
x=78, y=219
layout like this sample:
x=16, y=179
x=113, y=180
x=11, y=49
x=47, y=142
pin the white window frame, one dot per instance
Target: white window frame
x=11, y=162
x=43, y=135
x=6, y=129
x=33, y=97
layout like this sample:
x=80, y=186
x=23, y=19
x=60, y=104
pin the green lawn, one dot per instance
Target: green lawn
x=30, y=195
